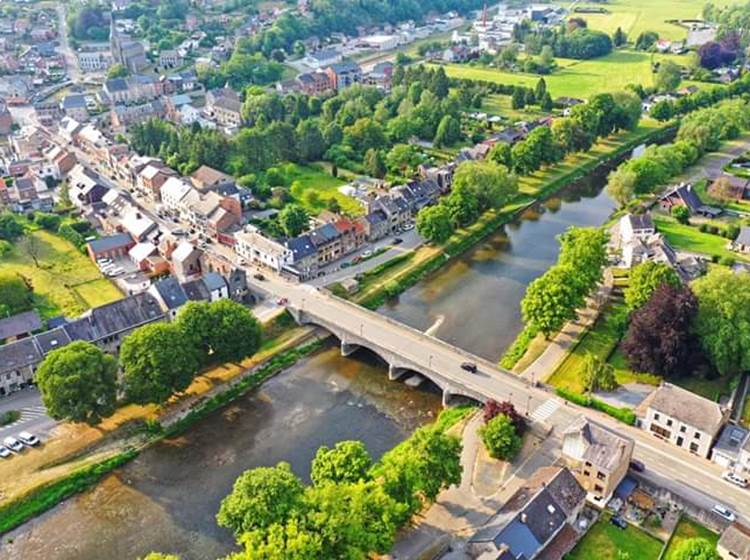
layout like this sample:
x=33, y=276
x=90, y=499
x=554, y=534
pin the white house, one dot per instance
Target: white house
x=253, y=247
x=173, y=191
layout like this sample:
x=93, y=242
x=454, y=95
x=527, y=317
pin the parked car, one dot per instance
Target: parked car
x=734, y=478
x=4, y=452
x=259, y=276
x=637, y=466
x=397, y=241
x=724, y=512
x=13, y=444
x=618, y=521
x=471, y=367
x=408, y=227
x=282, y=301
x=104, y=260
x=346, y=264
x=27, y=438
x=367, y=254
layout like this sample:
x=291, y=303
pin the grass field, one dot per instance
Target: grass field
x=603, y=541
x=310, y=179
x=501, y=105
x=66, y=280
x=689, y=238
x=582, y=78
x=688, y=529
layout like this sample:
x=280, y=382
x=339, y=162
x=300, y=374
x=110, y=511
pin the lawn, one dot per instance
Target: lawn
x=66, y=281
x=603, y=541
x=313, y=187
x=712, y=389
x=688, y=529
x=580, y=78
x=496, y=104
x=601, y=340
x=688, y=238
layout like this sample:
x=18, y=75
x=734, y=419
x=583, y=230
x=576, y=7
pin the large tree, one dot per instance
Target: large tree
x=644, y=279
x=493, y=408
x=448, y=131
x=585, y=251
x=552, y=299
x=261, y=497
x=696, y=548
x=223, y=331
x=659, y=338
x=157, y=360
x=723, y=319
x=501, y=438
x=78, y=382
x=668, y=76
x=10, y=227
x=293, y=219
x=292, y=540
x=492, y=184
x=597, y=375
x=434, y=223
x=15, y=294
x=346, y=462
x=621, y=185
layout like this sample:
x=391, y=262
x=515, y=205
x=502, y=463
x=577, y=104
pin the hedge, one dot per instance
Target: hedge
x=623, y=414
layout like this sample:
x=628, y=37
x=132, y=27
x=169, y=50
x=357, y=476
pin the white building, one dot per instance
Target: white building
x=253, y=247
x=93, y=61
x=172, y=192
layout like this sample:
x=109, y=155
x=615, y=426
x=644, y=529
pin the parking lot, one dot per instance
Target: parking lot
x=33, y=418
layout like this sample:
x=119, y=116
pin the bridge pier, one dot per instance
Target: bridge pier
x=395, y=372
x=347, y=348
x=446, y=397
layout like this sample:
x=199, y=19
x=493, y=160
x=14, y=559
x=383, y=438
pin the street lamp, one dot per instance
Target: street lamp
x=528, y=404
x=430, y=366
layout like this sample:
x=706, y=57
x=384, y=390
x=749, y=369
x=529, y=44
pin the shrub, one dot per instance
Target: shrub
x=501, y=438
x=713, y=230
x=624, y=415
x=703, y=228
x=727, y=261
x=681, y=214
x=732, y=231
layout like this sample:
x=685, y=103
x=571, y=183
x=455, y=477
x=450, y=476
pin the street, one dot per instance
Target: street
x=33, y=414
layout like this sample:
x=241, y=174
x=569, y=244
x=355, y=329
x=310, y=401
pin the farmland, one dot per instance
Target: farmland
x=575, y=78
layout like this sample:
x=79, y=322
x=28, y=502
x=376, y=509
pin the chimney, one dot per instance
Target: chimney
x=524, y=517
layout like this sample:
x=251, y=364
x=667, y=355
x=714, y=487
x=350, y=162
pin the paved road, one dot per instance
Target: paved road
x=33, y=414
x=71, y=62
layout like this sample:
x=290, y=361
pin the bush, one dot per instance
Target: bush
x=5, y=247
x=681, y=214
x=50, y=222
x=501, y=438
x=9, y=416
x=732, y=231
x=703, y=228
x=518, y=348
x=624, y=415
x=727, y=261
x=713, y=230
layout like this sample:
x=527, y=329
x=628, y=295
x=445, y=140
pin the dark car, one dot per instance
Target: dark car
x=637, y=466
x=471, y=367
x=259, y=276
x=618, y=521
x=398, y=241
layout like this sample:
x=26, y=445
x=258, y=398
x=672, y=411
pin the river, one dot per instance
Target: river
x=167, y=498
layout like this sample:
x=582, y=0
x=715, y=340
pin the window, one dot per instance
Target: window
x=694, y=447
x=586, y=473
x=588, y=464
x=683, y=429
x=656, y=415
x=661, y=432
x=598, y=489
x=669, y=422
x=697, y=435
x=601, y=476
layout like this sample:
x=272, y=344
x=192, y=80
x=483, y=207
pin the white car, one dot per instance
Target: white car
x=740, y=481
x=408, y=227
x=103, y=261
x=4, y=452
x=13, y=444
x=724, y=512
x=27, y=438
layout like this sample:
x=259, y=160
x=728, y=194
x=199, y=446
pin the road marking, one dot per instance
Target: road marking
x=27, y=413
x=545, y=410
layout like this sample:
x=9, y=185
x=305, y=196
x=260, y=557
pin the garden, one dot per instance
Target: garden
x=605, y=541
x=688, y=529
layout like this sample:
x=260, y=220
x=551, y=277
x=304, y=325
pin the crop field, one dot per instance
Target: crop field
x=577, y=78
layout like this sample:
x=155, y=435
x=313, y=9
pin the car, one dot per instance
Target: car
x=366, y=254
x=13, y=444
x=408, y=227
x=734, y=478
x=259, y=276
x=346, y=264
x=618, y=521
x=27, y=438
x=103, y=261
x=637, y=466
x=397, y=241
x=4, y=452
x=471, y=367
x=724, y=512
x=282, y=301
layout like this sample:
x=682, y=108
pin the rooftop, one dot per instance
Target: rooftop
x=589, y=441
x=21, y=323
x=687, y=407
x=736, y=540
x=110, y=242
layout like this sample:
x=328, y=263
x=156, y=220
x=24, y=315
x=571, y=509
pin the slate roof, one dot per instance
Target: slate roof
x=601, y=447
x=640, y=221
x=214, y=281
x=376, y=217
x=324, y=234
x=688, y=408
x=115, y=317
x=19, y=354
x=116, y=84
x=21, y=323
x=301, y=247
x=736, y=539
x=744, y=236
x=51, y=340
x=196, y=290
x=110, y=242
x=345, y=66
x=74, y=101
x=171, y=292
x=731, y=440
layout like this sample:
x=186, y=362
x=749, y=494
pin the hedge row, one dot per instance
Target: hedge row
x=623, y=414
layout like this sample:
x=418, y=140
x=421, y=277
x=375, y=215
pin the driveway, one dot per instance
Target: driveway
x=33, y=414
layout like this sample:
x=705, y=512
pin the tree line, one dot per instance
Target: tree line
x=571, y=40
x=80, y=383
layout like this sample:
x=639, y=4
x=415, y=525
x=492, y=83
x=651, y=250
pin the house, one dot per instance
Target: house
x=170, y=295
x=344, y=74
x=61, y=161
x=225, y=107
x=28, y=193
x=742, y=243
x=381, y=76
x=123, y=116
x=110, y=247
x=140, y=254
x=207, y=178
x=732, y=448
x=210, y=213
x=598, y=457
x=93, y=61
x=548, y=503
x=734, y=543
x=138, y=225
x=216, y=285
x=376, y=225
x=456, y=53
x=74, y=106
x=327, y=242
x=254, y=247
x=304, y=257
x=684, y=195
x=6, y=119
x=313, y=83
x=173, y=191
x=19, y=326
x=636, y=226
x=18, y=363
x=655, y=248
x=133, y=89
x=238, y=287
x=322, y=58
x=682, y=418
x=84, y=188
x=186, y=261
x=152, y=177
x=170, y=58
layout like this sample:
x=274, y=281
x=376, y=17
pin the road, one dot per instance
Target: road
x=698, y=475
x=71, y=62
x=33, y=414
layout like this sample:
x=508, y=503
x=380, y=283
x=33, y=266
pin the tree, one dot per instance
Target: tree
x=619, y=38
x=518, y=100
x=434, y=223
x=78, y=383
x=448, y=131
x=116, y=71
x=645, y=278
x=723, y=189
x=662, y=110
x=491, y=183
x=157, y=361
x=501, y=153
x=696, y=548
x=681, y=214
x=501, y=438
x=223, y=331
x=597, y=375
x=659, y=339
x=551, y=300
x=462, y=206
x=621, y=185
x=310, y=142
x=403, y=159
x=722, y=319
x=668, y=77
x=545, y=103
x=584, y=250
x=10, y=227
x=540, y=90
x=293, y=219
x=32, y=248
x=348, y=462
x=15, y=294
x=646, y=40
x=492, y=408
x=375, y=164
x=291, y=540
x=260, y=498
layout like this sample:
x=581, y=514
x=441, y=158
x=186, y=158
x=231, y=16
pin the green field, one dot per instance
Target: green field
x=66, y=281
x=579, y=78
x=603, y=541
x=688, y=529
x=689, y=238
x=500, y=105
x=311, y=179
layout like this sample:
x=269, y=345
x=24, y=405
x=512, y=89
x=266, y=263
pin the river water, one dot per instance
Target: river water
x=167, y=498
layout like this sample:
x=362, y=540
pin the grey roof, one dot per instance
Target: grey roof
x=640, y=221
x=21, y=323
x=324, y=234
x=301, y=247
x=115, y=317
x=51, y=340
x=196, y=290
x=688, y=408
x=110, y=242
x=345, y=66
x=74, y=101
x=736, y=539
x=214, y=281
x=731, y=440
x=325, y=54
x=19, y=354
x=116, y=84
x=744, y=236
x=376, y=217
x=171, y=292
x=604, y=448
